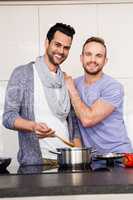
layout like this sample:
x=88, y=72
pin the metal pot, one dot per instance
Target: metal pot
x=69, y=157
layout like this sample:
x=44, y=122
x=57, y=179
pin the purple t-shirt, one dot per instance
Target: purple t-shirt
x=110, y=135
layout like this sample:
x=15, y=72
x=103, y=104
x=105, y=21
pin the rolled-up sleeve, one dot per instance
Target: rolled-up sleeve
x=13, y=99
x=113, y=94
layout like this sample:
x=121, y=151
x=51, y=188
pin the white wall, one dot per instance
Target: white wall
x=23, y=29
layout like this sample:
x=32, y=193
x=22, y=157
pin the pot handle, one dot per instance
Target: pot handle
x=57, y=153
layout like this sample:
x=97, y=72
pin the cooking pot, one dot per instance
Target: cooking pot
x=68, y=157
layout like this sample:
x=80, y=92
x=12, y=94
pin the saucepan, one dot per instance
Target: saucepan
x=68, y=157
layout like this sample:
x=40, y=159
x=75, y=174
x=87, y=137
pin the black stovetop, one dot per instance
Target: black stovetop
x=48, y=169
x=43, y=169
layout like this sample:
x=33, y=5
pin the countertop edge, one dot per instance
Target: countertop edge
x=67, y=190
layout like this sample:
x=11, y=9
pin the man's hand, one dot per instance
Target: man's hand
x=43, y=131
x=77, y=142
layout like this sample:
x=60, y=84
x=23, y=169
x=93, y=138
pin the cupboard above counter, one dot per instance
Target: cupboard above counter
x=22, y=42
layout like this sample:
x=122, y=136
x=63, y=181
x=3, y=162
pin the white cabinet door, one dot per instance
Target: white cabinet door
x=18, y=37
x=116, y=27
x=82, y=17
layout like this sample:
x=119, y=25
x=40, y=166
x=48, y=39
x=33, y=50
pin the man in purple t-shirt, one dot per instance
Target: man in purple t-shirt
x=98, y=102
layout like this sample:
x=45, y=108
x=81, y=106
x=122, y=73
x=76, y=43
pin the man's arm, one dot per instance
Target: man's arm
x=41, y=129
x=88, y=116
x=13, y=105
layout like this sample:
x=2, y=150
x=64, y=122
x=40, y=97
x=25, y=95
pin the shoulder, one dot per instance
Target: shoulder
x=109, y=81
x=24, y=68
x=111, y=85
x=22, y=72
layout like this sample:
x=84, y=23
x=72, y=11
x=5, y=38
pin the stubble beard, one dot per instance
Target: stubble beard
x=51, y=59
x=92, y=73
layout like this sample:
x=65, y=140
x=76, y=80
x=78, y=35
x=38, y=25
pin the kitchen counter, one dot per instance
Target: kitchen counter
x=113, y=181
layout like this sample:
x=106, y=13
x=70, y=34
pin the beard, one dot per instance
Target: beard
x=92, y=73
x=99, y=69
x=53, y=60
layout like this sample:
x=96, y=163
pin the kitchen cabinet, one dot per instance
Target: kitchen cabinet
x=24, y=27
x=115, y=26
x=18, y=37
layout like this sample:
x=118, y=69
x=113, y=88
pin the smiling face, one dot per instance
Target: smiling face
x=56, y=51
x=93, y=58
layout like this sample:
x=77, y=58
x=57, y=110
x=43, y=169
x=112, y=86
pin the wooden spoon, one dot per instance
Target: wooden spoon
x=66, y=142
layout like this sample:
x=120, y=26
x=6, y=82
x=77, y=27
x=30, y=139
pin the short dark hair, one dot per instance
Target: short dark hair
x=64, y=28
x=95, y=39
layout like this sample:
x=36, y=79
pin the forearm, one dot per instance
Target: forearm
x=82, y=111
x=88, y=115
x=23, y=124
x=39, y=128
